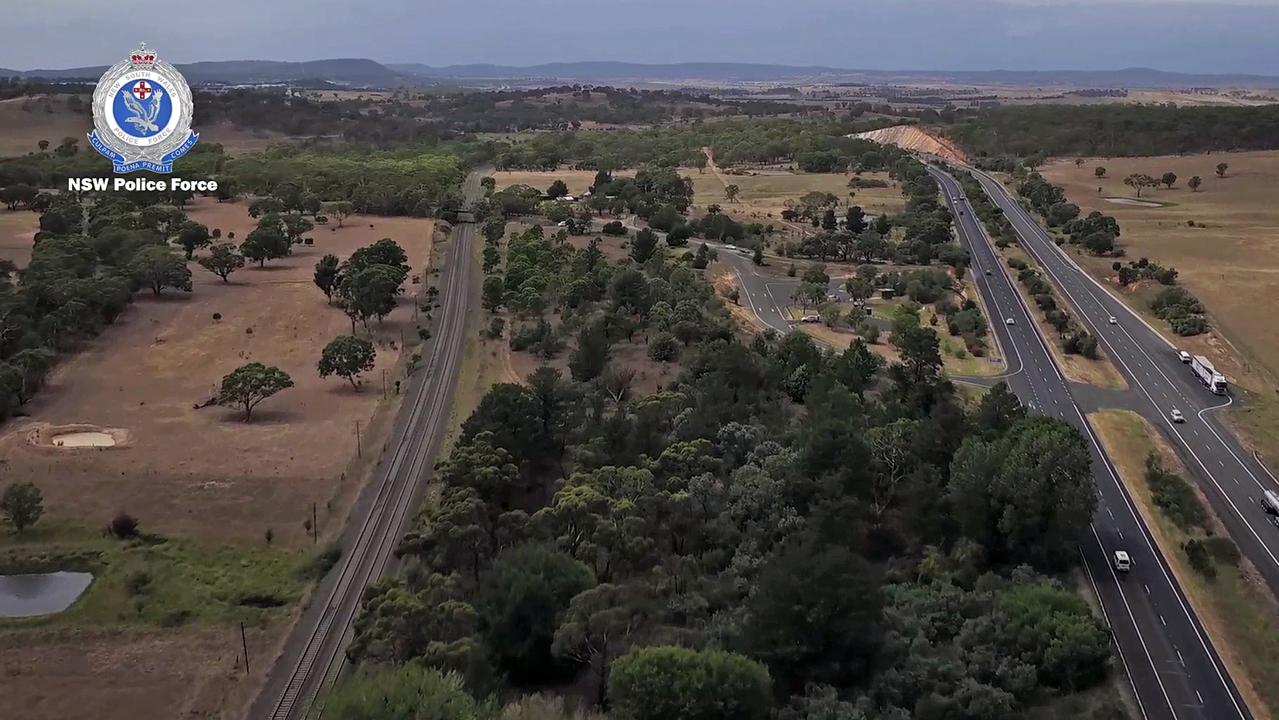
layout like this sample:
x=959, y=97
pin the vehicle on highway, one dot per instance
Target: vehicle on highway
x=1270, y=502
x=1208, y=375
x=1183, y=356
x=745, y=251
x=1009, y=321
x=811, y=319
x=1113, y=321
x=987, y=272
x=1123, y=563
x=1176, y=415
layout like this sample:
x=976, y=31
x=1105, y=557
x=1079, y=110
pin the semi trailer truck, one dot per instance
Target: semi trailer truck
x=1208, y=375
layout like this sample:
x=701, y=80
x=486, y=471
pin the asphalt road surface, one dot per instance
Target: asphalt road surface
x=315, y=652
x=1174, y=669
x=1231, y=477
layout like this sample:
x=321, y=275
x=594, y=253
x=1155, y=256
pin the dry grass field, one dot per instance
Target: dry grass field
x=17, y=231
x=1229, y=259
x=576, y=180
x=765, y=194
x=204, y=473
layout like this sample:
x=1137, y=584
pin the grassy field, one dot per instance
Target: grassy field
x=577, y=180
x=159, y=627
x=17, y=233
x=1229, y=259
x=1237, y=613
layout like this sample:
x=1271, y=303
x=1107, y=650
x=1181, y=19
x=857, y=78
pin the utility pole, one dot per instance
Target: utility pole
x=358, y=450
x=315, y=528
x=245, y=644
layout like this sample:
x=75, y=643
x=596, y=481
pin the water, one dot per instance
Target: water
x=42, y=594
x=83, y=439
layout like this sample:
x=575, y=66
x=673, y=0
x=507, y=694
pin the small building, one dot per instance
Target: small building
x=887, y=293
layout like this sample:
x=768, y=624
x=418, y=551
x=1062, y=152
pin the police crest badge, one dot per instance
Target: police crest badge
x=142, y=114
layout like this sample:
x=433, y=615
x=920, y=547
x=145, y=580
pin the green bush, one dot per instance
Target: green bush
x=1174, y=496
x=660, y=683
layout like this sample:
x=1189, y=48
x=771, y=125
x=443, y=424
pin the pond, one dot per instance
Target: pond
x=42, y=594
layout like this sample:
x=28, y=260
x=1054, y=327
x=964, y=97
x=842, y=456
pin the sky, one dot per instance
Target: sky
x=1212, y=36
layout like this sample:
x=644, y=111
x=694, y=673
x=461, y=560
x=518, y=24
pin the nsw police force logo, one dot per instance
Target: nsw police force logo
x=142, y=114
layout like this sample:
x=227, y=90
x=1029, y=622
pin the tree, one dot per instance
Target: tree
x=268, y=205
x=557, y=190
x=403, y=692
x=488, y=183
x=20, y=194
x=596, y=627
x=43, y=145
x=1137, y=181
x=664, y=347
x=493, y=292
x=347, y=356
x=157, y=267
x=1025, y=497
x=1099, y=171
x=327, y=275
x=1169, y=179
x=370, y=292
x=250, y=384
x=340, y=209
x=1222, y=168
x=643, y=246
x=267, y=241
x=223, y=259
x=815, y=616
x=22, y=505
x=193, y=235
x=1194, y=182
x=523, y=598
x=590, y=356
x=731, y=191
x=662, y=682
x=295, y=226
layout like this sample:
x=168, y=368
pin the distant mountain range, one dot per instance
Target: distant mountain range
x=754, y=72
x=369, y=73
x=343, y=71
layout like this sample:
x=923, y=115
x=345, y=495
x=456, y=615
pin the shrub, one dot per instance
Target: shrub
x=123, y=526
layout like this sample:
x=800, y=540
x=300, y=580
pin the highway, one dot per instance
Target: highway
x=1231, y=477
x=315, y=652
x=1174, y=669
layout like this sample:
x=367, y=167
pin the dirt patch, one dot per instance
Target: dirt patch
x=17, y=235
x=74, y=437
x=204, y=472
x=913, y=137
x=1133, y=202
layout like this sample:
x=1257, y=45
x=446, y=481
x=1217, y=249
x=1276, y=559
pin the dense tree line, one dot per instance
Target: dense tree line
x=780, y=530
x=436, y=115
x=1115, y=130
x=812, y=146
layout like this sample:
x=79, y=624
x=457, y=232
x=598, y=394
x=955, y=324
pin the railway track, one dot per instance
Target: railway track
x=315, y=655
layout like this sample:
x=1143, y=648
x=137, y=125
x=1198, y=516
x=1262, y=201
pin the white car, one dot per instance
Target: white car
x=1009, y=321
x=1183, y=356
x=1176, y=416
x=1113, y=321
x=811, y=319
x=1123, y=563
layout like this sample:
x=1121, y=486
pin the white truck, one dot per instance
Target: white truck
x=1208, y=374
